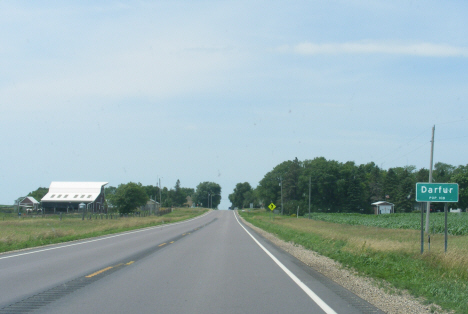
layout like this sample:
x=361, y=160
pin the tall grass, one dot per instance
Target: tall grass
x=392, y=255
x=19, y=233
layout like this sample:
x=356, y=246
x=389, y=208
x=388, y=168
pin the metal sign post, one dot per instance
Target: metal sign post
x=271, y=207
x=436, y=193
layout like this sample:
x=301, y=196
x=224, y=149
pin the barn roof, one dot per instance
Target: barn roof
x=31, y=199
x=381, y=203
x=73, y=191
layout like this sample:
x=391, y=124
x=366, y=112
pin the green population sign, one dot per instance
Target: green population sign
x=437, y=192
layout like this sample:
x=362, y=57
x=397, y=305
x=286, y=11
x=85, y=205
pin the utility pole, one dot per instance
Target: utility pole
x=309, y=194
x=160, y=197
x=281, y=183
x=428, y=205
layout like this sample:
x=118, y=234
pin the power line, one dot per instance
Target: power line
x=401, y=146
x=463, y=120
x=395, y=152
x=452, y=138
x=410, y=152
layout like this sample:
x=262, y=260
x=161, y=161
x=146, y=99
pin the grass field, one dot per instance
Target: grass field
x=19, y=233
x=389, y=254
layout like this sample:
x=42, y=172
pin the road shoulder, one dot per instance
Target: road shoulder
x=368, y=289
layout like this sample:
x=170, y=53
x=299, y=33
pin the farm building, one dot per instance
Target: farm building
x=67, y=196
x=151, y=206
x=383, y=208
x=29, y=203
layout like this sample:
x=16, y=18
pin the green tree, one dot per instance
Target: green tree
x=442, y=172
x=460, y=176
x=129, y=197
x=242, y=195
x=207, y=194
x=152, y=191
x=391, y=185
x=355, y=192
x=336, y=186
x=291, y=181
x=269, y=188
x=166, y=197
x=39, y=193
x=324, y=175
x=375, y=184
x=179, y=197
x=405, y=195
x=422, y=175
x=109, y=192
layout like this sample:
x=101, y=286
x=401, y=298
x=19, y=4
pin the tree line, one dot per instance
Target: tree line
x=345, y=187
x=128, y=197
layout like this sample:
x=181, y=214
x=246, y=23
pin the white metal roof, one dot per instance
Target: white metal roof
x=381, y=203
x=73, y=191
x=32, y=199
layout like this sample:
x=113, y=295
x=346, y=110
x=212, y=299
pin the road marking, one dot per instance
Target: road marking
x=171, y=242
x=99, y=272
x=130, y=263
x=162, y=244
x=101, y=239
x=302, y=285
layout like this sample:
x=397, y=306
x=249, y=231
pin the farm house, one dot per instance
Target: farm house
x=29, y=203
x=67, y=196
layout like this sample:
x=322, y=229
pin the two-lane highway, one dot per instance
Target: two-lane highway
x=211, y=264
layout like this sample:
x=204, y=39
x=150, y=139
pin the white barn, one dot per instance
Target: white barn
x=66, y=196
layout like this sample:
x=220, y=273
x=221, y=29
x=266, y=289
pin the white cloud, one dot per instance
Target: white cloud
x=418, y=49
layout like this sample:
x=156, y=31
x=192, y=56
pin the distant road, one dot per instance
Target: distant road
x=211, y=264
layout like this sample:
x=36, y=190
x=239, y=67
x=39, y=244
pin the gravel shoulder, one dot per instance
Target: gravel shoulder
x=387, y=299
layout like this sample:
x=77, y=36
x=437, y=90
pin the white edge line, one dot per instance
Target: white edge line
x=100, y=239
x=302, y=285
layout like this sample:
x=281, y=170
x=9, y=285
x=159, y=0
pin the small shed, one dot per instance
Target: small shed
x=29, y=203
x=383, y=208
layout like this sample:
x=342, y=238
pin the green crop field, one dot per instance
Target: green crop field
x=457, y=223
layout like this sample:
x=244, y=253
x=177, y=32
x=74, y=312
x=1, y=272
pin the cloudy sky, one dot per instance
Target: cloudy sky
x=223, y=91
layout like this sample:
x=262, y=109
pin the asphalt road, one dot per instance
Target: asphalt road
x=211, y=264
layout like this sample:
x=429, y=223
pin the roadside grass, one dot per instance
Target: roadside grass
x=20, y=233
x=390, y=255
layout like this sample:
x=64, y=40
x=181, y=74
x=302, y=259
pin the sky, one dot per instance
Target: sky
x=223, y=91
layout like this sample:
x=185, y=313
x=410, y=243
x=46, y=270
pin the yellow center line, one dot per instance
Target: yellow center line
x=99, y=272
x=162, y=244
x=172, y=242
x=130, y=263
